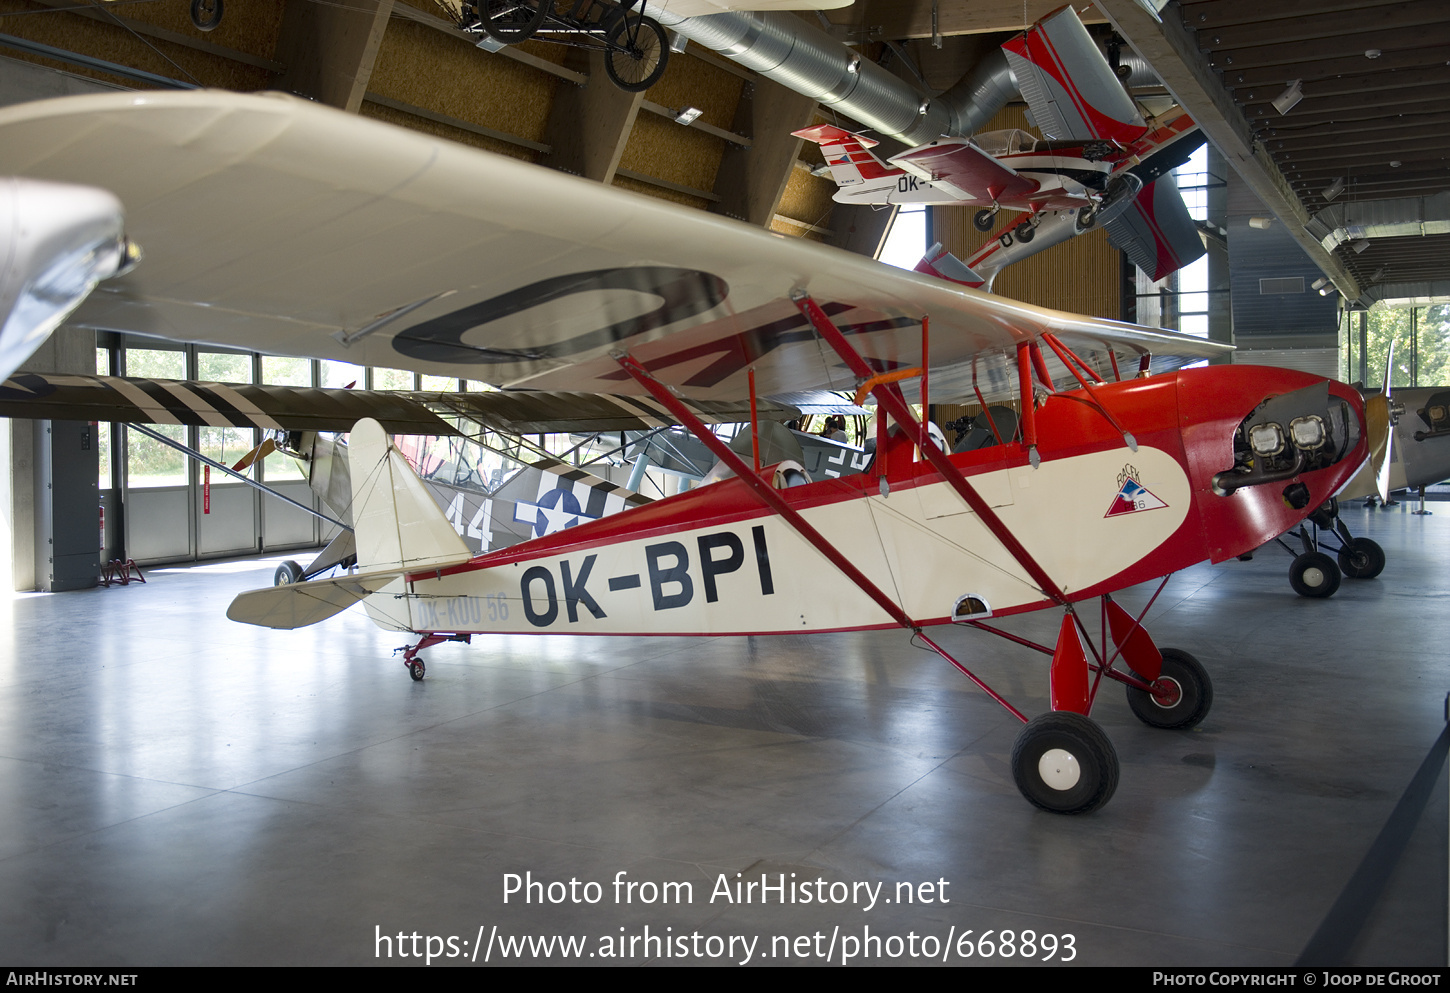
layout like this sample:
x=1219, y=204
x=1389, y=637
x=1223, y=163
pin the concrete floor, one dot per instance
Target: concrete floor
x=178, y=789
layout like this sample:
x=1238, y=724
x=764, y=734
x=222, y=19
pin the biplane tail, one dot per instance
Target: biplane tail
x=399, y=530
x=847, y=155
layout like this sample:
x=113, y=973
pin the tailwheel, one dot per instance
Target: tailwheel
x=416, y=669
x=1181, y=696
x=1063, y=762
x=1361, y=558
x=1314, y=574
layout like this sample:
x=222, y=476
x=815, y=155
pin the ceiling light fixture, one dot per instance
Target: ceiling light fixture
x=1261, y=222
x=1291, y=96
x=1359, y=245
x=1319, y=283
x=1333, y=189
x=688, y=115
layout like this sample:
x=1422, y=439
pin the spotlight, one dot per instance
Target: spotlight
x=1261, y=223
x=1319, y=283
x=688, y=115
x=1333, y=189
x=1292, y=94
x=1360, y=245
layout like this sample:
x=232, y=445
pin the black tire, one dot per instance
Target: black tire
x=1362, y=559
x=637, y=54
x=1024, y=232
x=1184, y=698
x=417, y=670
x=983, y=220
x=1064, y=763
x=287, y=573
x=1314, y=574
x=206, y=14
x=512, y=21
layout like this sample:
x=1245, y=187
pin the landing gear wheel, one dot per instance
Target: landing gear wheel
x=638, y=53
x=1314, y=574
x=983, y=219
x=1063, y=762
x=512, y=21
x=1181, y=697
x=1087, y=217
x=206, y=14
x=1024, y=232
x=1362, y=559
x=417, y=670
x=287, y=573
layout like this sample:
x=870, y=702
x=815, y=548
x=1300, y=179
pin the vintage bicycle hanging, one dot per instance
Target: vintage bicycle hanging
x=635, y=48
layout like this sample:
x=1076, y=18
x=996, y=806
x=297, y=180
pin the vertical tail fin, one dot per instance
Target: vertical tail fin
x=398, y=524
x=942, y=264
x=846, y=155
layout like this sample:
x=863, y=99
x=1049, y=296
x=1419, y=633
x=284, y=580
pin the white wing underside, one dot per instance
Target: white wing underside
x=270, y=223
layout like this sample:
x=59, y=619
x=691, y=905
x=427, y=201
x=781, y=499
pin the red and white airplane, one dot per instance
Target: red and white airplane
x=1103, y=166
x=273, y=223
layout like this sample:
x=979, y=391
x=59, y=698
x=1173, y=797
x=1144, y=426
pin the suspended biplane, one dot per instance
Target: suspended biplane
x=279, y=225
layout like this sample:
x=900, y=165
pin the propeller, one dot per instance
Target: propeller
x=1379, y=415
x=266, y=448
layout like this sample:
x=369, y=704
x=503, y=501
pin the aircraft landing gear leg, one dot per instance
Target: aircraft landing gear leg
x=1422, y=512
x=414, y=664
x=1359, y=558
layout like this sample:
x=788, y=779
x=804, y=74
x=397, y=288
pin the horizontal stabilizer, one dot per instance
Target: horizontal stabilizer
x=300, y=604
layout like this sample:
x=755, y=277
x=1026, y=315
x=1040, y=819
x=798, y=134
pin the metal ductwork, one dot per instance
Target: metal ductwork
x=1400, y=217
x=784, y=48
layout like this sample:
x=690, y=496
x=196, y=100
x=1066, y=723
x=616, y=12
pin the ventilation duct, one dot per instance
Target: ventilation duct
x=784, y=48
x=1401, y=217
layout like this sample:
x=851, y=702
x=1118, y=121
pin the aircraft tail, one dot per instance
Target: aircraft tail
x=847, y=155
x=399, y=530
x=398, y=523
x=943, y=264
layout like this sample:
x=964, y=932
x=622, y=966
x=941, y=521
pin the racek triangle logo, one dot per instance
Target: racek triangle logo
x=1132, y=496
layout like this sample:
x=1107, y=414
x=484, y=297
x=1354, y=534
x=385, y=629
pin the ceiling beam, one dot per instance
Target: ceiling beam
x=1173, y=53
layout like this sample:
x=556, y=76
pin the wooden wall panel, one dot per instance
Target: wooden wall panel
x=415, y=123
x=659, y=193
x=447, y=75
x=807, y=198
x=252, y=29
x=661, y=148
x=114, y=43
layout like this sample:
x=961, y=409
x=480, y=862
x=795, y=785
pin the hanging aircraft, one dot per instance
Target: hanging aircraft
x=57, y=241
x=1102, y=164
x=280, y=225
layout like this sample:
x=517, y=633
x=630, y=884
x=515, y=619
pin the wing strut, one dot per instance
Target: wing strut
x=894, y=404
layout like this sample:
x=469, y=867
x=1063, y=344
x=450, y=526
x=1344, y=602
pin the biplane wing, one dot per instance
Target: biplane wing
x=282, y=226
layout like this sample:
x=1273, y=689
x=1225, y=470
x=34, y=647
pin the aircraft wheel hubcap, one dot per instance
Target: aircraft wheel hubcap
x=1313, y=577
x=1167, y=692
x=1059, y=769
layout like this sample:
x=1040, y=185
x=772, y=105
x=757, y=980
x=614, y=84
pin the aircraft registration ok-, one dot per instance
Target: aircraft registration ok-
x=275, y=224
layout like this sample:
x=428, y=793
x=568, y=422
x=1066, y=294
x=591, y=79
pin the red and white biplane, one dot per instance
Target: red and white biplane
x=273, y=223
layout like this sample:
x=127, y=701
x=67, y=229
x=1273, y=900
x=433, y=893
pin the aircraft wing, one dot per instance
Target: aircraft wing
x=965, y=170
x=1156, y=230
x=1069, y=87
x=272, y=223
x=135, y=400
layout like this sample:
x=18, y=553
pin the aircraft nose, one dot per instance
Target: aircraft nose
x=1291, y=433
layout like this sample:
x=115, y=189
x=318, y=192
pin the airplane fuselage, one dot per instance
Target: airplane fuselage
x=1094, y=514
